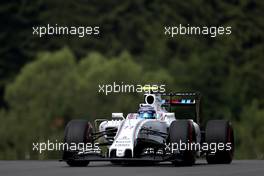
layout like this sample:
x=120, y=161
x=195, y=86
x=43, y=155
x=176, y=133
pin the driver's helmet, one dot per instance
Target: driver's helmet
x=147, y=112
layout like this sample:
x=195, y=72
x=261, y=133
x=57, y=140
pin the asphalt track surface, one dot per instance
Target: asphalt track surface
x=47, y=168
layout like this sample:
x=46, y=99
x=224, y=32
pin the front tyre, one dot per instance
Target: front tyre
x=219, y=132
x=182, y=131
x=76, y=132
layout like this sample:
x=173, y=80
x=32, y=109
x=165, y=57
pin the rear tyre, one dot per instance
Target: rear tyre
x=182, y=131
x=219, y=132
x=76, y=131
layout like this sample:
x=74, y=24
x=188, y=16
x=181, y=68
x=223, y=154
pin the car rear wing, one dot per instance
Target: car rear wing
x=184, y=99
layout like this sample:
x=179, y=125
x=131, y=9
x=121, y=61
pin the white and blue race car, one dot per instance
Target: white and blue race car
x=166, y=127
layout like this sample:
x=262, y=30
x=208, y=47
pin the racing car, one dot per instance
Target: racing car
x=166, y=127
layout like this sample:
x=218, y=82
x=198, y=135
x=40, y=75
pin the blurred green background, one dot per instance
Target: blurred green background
x=47, y=81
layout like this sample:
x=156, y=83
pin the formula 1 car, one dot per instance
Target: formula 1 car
x=161, y=130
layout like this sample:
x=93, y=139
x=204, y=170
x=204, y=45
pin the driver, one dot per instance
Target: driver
x=147, y=112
